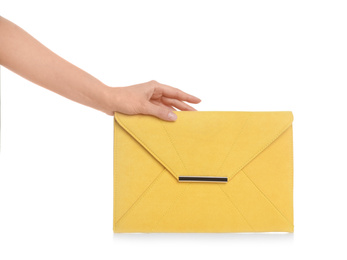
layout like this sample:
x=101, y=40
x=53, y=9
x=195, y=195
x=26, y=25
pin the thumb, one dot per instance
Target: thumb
x=160, y=112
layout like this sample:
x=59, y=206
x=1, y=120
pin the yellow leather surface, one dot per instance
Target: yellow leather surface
x=253, y=149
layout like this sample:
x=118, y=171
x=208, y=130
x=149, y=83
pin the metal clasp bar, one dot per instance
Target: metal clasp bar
x=202, y=179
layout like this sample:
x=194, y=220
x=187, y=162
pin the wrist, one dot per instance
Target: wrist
x=102, y=98
x=111, y=99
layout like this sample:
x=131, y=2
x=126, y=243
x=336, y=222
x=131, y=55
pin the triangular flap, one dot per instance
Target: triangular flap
x=206, y=143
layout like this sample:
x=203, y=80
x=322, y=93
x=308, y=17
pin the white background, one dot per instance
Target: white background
x=56, y=181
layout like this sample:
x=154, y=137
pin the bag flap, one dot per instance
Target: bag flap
x=206, y=143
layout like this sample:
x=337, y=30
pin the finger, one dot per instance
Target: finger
x=171, y=92
x=177, y=103
x=163, y=105
x=169, y=107
x=159, y=111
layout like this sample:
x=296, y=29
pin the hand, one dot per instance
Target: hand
x=150, y=98
x=26, y=56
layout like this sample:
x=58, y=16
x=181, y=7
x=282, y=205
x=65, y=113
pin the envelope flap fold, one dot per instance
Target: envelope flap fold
x=206, y=143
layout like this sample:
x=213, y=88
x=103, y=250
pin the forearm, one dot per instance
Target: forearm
x=24, y=55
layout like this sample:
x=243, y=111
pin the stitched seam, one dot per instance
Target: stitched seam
x=266, y=197
x=174, y=147
x=233, y=204
x=169, y=209
x=260, y=150
x=114, y=175
x=225, y=158
x=141, y=196
x=292, y=172
x=146, y=147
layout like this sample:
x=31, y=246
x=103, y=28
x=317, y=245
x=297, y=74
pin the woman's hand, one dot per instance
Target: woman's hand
x=26, y=56
x=150, y=98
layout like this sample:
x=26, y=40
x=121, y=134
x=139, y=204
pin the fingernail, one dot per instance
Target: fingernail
x=172, y=116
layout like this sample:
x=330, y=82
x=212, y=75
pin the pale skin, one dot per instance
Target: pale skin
x=27, y=57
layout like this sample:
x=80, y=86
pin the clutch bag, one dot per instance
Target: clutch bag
x=208, y=171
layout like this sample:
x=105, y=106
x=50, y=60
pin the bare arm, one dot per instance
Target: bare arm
x=24, y=55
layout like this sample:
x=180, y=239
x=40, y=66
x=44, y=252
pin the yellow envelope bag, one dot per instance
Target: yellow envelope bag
x=208, y=171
